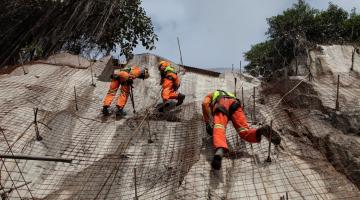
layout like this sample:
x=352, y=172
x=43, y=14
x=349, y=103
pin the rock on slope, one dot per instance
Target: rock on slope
x=149, y=155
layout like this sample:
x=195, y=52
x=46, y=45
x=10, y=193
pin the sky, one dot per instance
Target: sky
x=216, y=33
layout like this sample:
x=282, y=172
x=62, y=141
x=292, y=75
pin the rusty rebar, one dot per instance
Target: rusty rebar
x=242, y=98
x=337, y=93
x=235, y=81
x=270, y=135
x=37, y=132
x=92, y=76
x=135, y=184
x=254, y=115
x=181, y=60
x=352, y=59
x=40, y=158
x=76, y=105
x=22, y=63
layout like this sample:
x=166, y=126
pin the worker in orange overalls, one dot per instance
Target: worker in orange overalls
x=224, y=106
x=123, y=77
x=170, y=84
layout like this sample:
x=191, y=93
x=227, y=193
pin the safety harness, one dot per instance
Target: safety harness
x=167, y=70
x=219, y=94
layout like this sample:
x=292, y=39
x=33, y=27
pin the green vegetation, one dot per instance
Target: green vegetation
x=42, y=27
x=298, y=29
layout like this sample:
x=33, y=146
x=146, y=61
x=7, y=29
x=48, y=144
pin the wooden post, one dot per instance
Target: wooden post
x=240, y=66
x=92, y=77
x=181, y=60
x=254, y=116
x=76, y=105
x=242, y=98
x=352, y=59
x=135, y=184
x=22, y=64
x=235, y=80
x=337, y=93
x=270, y=135
x=232, y=68
x=37, y=132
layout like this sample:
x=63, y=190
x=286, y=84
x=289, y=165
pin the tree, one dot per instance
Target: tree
x=298, y=29
x=329, y=25
x=352, y=28
x=258, y=56
x=77, y=26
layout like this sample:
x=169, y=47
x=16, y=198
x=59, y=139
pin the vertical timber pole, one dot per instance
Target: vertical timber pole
x=38, y=137
x=352, y=60
x=92, y=77
x=270, y=135
x=22, y=63
x=135, y=184
x=181, y=60
x=235, y=80
x=242, y=98
x=76, y=105
x=254, y=117
x=240, y=66
x=337, y=94
x=79, y=60
x=232, y=68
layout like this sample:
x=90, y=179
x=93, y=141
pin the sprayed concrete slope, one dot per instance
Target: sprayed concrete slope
x=171, y=153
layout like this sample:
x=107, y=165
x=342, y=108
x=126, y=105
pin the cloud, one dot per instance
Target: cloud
x=215, y=33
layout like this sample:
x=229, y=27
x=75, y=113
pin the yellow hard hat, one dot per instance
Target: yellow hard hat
x=163, y=65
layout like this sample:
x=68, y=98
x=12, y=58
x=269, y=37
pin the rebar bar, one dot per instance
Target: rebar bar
x=337, y=93
x=40, y=158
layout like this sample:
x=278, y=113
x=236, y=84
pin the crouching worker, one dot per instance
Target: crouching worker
x=170, y=84
x=224, y=106
x=124, y=78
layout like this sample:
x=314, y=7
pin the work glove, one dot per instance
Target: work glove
x=209, y=129
x=129, y=82
x=266, y=131
x=114, y=77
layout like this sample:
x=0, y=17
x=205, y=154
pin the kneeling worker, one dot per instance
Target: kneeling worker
x=170, y=84
x=123, y=77
x=224, y=106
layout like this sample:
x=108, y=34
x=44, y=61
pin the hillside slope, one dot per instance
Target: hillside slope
x=170, y=153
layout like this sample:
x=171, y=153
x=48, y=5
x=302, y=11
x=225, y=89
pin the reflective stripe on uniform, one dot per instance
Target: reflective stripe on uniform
x=112, y=91
x=219, y=126
x=241, y=129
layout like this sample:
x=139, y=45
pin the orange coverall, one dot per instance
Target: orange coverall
x=123, y=77
x=169, y=85
x=221, y=120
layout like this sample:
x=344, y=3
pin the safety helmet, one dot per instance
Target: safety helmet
x=163, y=64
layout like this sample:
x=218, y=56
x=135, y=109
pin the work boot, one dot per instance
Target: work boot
x=105, y=111
x=120, y=112
x=180, y=99
x=163, y=106
x=216, y=162
x=265, y=131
